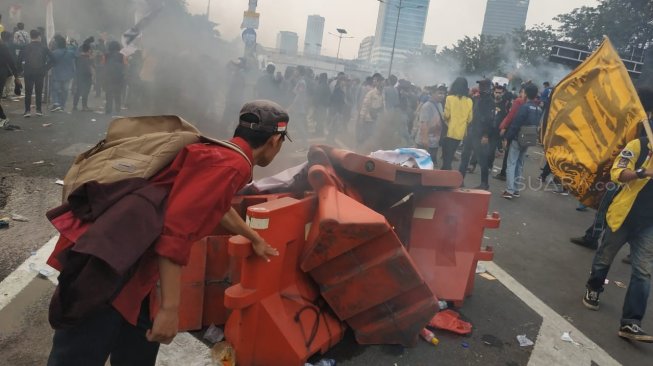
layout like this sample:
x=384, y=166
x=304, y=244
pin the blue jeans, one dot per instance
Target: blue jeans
x=515, y=166
x=640, y=238
x=60, y=92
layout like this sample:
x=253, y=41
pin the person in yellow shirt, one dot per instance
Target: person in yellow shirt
x=630, y=220
x=457, y=116
x=2, y=27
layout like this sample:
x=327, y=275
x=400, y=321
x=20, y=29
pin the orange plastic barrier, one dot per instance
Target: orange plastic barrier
x=277, y=317
x=364, y=272
x=445, y=239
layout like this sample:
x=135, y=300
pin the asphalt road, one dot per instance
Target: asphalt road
x=531, y=246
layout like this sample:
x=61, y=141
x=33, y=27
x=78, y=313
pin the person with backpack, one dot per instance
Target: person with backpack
x=430, y=123
x=181, y=204
x=629, y=220
x=523, y=133
x=62, y=73
x=37, y=60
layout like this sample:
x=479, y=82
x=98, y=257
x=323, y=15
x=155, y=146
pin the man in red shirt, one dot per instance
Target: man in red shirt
x=201, y=181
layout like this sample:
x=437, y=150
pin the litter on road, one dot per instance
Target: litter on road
x=620, y=284
x=214, y=334
x=524, y=341
x=19, y=218
x=488, y=276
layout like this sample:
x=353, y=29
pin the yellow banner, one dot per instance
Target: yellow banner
x=594, y=112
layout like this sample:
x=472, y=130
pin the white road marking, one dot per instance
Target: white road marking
x=549, y=348
x=17, y=280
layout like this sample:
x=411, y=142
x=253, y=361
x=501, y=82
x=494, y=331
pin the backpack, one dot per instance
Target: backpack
x=135, y=147
x=528, y=134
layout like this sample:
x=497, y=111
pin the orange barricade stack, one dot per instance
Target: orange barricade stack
x=364, y=272
x=277, y=316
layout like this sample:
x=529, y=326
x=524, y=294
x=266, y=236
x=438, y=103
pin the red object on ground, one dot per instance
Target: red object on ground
x=364, y=272
x=450, y=320
x=277, y=315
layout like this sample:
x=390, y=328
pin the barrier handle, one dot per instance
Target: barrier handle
x=240, y=247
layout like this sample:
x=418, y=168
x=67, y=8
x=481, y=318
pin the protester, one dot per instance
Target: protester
x=629, y=219
x=266, y=86
x=457, y=115
x=201, y=182
x=114, y=77
x=37, y=60
x=83, y=76
x=514, y=108
x=529, y=114
x=62, y=73
x=7, y=68
x=428, y=130
x=371, y=109
x=300, y=106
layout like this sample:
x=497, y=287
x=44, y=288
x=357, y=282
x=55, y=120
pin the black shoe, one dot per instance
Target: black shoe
x=591, y=299
x=500, y=177
x=516, y=194
x=483, y=187
x=507, y=195
x=635, y=333
x=584, y=242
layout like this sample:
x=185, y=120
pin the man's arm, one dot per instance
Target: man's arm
x=166, y=322
x=623, y=169
x=234, y=223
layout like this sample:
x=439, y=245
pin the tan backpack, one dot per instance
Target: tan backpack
x=135, y=147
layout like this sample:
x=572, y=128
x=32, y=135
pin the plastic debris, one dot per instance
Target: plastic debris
x=39, y=162
x=428, y=336
x=450, y=320
x=524, y=341
x=214, y=334
x=223, y=354
x=620, y=284
x=566, y=336
x=480, y=268
x=607, y=281
x=19, y=218
x=43, y=272
x=443, y=304
x=46, y=124
x=492, y=341
x=488, y=276
x=323, y=362
x=93, y=120
x=465, y=345
x=59, y=182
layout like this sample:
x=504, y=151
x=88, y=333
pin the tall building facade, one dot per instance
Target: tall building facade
x=504, y=16
x=409, y=30
x=314, y=35
x=287, y=42
x=365, y=48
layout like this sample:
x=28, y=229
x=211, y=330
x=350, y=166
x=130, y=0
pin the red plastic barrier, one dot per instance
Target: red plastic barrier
x=364, y=272
x=277, y=318
x=445, y=239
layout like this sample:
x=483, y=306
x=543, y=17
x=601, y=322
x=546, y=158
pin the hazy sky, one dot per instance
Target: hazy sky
x=448, y=20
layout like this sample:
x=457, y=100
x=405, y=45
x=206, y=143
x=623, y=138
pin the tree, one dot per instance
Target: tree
x=477, y=55
x=625, y=22
x=534, y=44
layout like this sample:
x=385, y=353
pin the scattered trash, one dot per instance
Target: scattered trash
x=19, y=218
x=450, y=320
x=492, y=341
x=620, y=284
x=93, y=120
x=443, y=304
x=19, y=169
x=46, y=124
x=214, y=334
x=428, y=336
x=465, y=345
x=607, y=281
x=43, y=272
x=39, y=162
x=524, y=341
x=59, y=182
x=323, y=362
x=32, y=253
x=488, y=276
x=4, y=222
x=223, y=354
x=480, y=268
x=566, y=336
x=486, y=237
x=523, y=223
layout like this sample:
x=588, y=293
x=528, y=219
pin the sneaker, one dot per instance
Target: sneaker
x=591, y=299
x=516, y=194
x=56, y=108
x=27, y=115
x=507, y=195
x=584, y=243
x=39, y=114
x=4, y=123
x=500, y=177
x=635, y=333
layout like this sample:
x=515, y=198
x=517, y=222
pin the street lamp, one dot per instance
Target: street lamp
x=340, y=35
x=208, y=9
x=394, y=42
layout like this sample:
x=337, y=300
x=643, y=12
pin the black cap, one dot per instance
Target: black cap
x=266, y=116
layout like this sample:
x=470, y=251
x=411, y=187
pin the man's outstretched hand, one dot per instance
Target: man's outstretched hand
x=264, y=250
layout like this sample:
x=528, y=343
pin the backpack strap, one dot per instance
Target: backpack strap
x=229, y=145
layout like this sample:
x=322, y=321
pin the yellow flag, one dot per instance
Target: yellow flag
x=594, y=113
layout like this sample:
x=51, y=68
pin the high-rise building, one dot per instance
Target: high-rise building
x=409, y=31
x=504, y=16
x=365, y=48
x=314, y=35
x=287, y=42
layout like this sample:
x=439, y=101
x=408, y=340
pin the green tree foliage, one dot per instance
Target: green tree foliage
x=625, y=22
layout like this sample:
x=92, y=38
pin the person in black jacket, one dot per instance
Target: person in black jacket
x=37, y=60
x=479, y=132
x=7, y=69
x=114, y=77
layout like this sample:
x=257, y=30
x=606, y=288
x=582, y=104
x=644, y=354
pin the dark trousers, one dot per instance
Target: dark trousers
x=504, y=165
x=114, y=98
x=449, y=147
x=83, y=88
x=2, y=112
x=469, y=146
x=32, y=82
x=103, y=336
x=484, y=155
